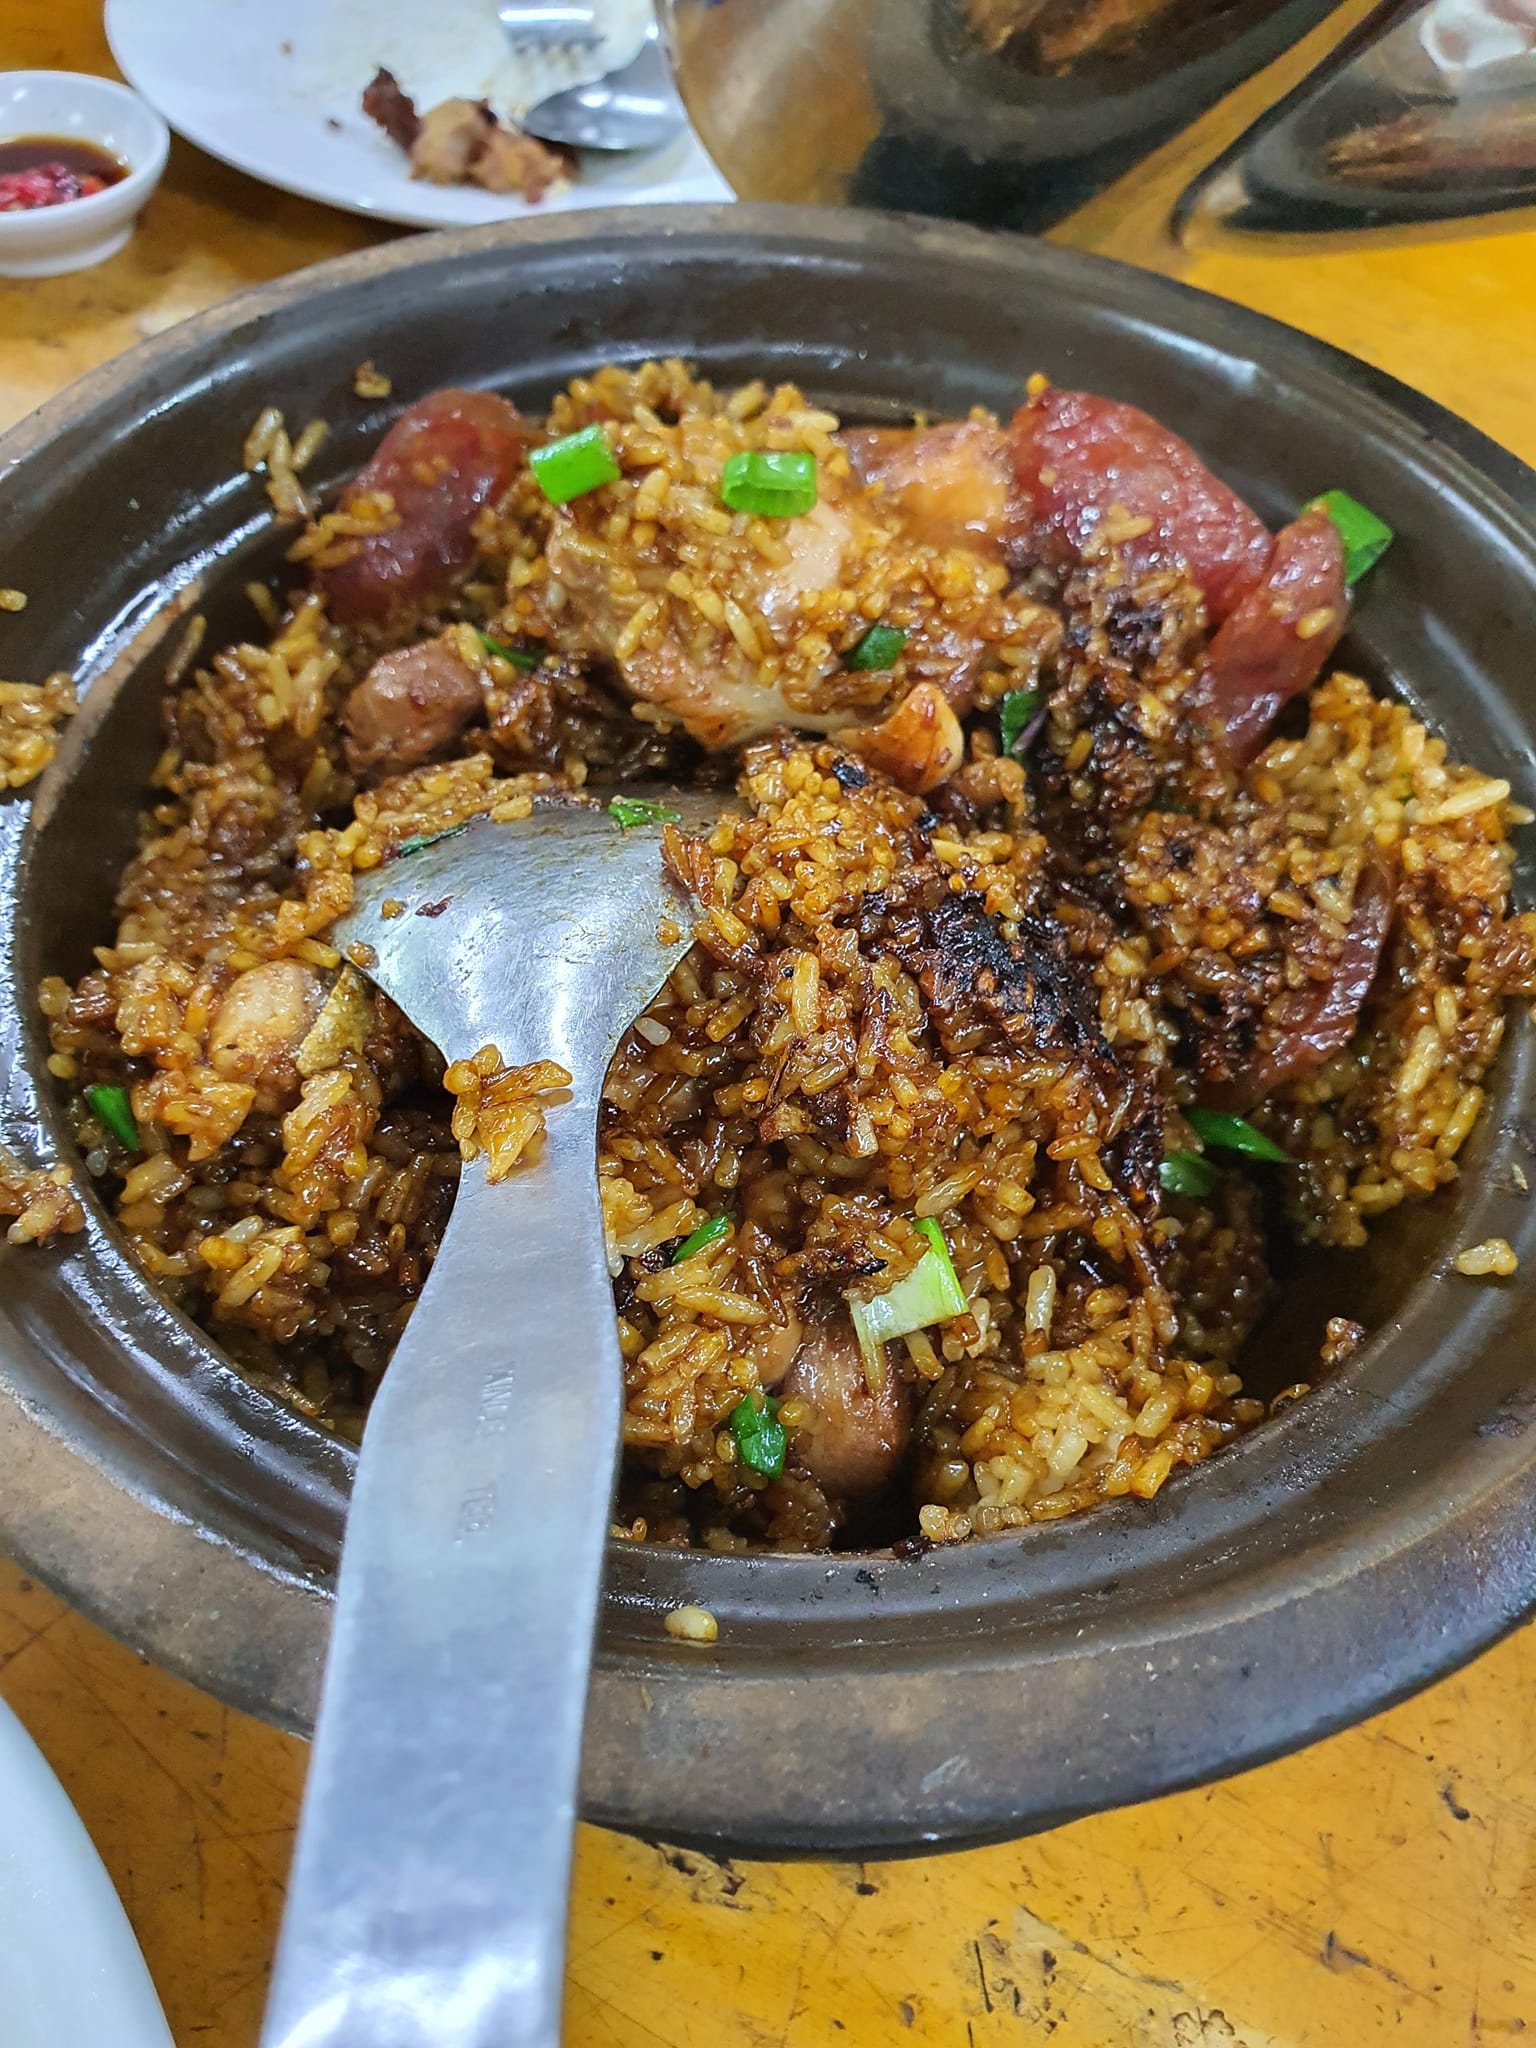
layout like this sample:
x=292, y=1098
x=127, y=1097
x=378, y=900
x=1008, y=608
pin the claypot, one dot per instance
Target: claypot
x=1370, y=1538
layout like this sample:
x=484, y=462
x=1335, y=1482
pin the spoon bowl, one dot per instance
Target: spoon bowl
x=635, y=107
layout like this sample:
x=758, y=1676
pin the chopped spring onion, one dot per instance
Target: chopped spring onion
x=760, y=1439
x=877, y=648
x=701, y=1239
x=773, y=484
x=930, y=1293
x=571, y=467
x=1186, y=1173
x=1234, y=1133
x=520, y=657
x=637, y=810
x=1017, y=709
x=419, y=841
x=111, y=1107
x=1366, y=538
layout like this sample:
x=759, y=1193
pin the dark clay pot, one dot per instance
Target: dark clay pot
x=1376, y=1535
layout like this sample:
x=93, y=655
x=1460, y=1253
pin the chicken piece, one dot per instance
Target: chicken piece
x=461, y=142
x=410, y=705
x=819, y=543
x=393, y=109
x=445, y=457
x=1076, y=455
x=256, y=1032
x=1273, y=645
x=733, y=644
x=855, y=1440
x=711, y=685
x=918, y=746
x=950, y=486
x=512, y=161
x=449, y=140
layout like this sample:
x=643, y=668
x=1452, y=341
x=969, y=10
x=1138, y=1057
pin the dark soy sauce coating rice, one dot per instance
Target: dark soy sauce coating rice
x=931, y=980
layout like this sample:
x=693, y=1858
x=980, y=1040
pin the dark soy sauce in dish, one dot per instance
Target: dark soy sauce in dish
x=49, y=170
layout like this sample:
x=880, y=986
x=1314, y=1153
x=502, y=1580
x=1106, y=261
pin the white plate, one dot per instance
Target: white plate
x=70, y=1970
x=273, y=87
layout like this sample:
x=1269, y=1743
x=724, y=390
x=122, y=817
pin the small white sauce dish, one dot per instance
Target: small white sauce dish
x=42, y=241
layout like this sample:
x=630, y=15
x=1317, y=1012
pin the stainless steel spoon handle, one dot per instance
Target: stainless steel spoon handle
x=427, y=1903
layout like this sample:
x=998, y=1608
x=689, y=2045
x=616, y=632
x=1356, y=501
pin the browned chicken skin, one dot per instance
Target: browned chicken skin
x=394, y=110
x=951, y=486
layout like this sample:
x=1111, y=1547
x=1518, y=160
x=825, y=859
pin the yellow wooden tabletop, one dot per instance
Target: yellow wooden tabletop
x=1379, y=1887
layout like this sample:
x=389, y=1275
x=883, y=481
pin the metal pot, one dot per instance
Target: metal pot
x=1008, y=112
x=1378, y=1533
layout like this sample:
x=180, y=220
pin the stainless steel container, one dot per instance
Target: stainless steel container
x=1011, y=112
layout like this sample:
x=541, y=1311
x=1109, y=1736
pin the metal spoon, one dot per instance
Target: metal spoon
x=636, y=107
x=427, y=1901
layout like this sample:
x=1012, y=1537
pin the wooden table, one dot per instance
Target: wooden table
x=1379, y=1887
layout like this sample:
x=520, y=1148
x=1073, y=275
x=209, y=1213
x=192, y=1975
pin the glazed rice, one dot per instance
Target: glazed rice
x=30, y=715
x=269, y=449
x=896, y=1007
x=42, y=1201
x=499, y=1110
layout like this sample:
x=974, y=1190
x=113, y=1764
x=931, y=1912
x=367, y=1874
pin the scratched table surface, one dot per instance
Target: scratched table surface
x=1378, y=1887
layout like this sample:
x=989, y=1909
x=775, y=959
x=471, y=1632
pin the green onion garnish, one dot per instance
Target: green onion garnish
x=930, y=1293
x=520, y=657
x=1366, y=538
x=637, y=810
x=1186, y=1173
x=759, y=1438
x=111, y=1107
x=877, y=648
x=571, y=467
x=771, y=484
x=1015, y=712
x=420, y=840
x=1235, y=1133
x=701, y=1239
